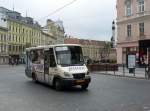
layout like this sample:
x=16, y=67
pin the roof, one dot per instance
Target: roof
x=48, y=46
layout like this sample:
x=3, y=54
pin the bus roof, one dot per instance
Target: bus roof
x=49, y=46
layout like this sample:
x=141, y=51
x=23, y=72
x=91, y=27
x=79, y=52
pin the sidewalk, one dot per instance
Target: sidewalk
x=10, y=66
x=139, y=73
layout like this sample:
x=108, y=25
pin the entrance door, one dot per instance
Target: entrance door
x=46, y=65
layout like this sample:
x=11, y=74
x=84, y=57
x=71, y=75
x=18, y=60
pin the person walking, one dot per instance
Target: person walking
x=12, y=62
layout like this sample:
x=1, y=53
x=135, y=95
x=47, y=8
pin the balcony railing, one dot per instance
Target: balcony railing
x=142, y=37
x=3, y=53
x=138, y=14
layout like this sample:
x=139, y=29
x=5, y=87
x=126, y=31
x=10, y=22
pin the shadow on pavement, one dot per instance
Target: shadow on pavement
x=65, y=89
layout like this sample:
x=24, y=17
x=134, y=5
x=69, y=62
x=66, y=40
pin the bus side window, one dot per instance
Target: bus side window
x=52, y=58
x=33, y=56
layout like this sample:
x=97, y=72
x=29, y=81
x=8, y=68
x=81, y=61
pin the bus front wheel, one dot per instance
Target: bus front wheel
x=85, y=86
x=58, y=85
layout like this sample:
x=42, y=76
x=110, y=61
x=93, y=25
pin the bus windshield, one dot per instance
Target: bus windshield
x=69, y=55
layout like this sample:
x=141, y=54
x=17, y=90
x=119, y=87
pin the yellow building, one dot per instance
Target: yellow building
x=18, y=33
x=3, y=39
x=20, y=36
x=3, y=45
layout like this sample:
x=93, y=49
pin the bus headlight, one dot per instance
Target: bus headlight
x=66, y=74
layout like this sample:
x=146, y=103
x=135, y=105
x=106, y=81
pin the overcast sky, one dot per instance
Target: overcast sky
x=88, y=19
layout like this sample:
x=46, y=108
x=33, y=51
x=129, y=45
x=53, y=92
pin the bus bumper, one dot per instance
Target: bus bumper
x=74, y=82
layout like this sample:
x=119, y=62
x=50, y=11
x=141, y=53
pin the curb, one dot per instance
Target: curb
x=120, y=75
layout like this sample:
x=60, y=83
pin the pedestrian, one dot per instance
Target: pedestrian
x=12, y=61
x=9, y=61
x=16, y=61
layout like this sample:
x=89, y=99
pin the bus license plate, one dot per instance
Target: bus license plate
x=80, y=81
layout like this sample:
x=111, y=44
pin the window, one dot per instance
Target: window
x=5, y=38
x=37, y=56
x=141, y=29
x=0, y=48
x=9, y=47
x=16, y=48
x=4, y=48
x=13, y=38
x=1, y=37
x=129, y=30
x=141, y=6
x=13, y=48
x=23, y=30
x=9, y=27
x=128, y=8
x=9, y=37
x=13, y=28
x=69, y=55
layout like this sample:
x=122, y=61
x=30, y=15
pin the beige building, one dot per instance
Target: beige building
x=47, y=39
x=133, y=34
x=55, y=29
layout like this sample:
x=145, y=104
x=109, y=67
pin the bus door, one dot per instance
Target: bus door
x=46, y=65
x=28, y=63
x=52, y=68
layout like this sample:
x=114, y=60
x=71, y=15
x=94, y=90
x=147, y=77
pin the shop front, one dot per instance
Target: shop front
x=127, y=48
x=144, y=52
x=130, y=51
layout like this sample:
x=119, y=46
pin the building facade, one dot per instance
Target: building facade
x=3, y=45
x=18, y=33
x=133, y=35
x=47, y=39
x=3, y=39
x=55, y=29
x=20, y=36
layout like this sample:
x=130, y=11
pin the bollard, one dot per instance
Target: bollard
x=123, y=70
x=146, y=74
x=114, y=70
x=106, y=68
x=134, y=72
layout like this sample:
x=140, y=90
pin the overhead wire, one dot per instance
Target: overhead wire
x=57, y=10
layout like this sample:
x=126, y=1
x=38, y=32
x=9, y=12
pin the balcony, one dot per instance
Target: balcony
x=136, y=16
x=3, y=53
x=145, y=13
x=143, y=36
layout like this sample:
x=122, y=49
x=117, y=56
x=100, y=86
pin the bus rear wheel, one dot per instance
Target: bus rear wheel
x=34, y=77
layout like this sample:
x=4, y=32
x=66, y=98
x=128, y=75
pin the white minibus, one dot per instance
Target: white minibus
x=57, y=65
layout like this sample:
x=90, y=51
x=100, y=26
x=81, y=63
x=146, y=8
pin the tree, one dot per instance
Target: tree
x=105, y=52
